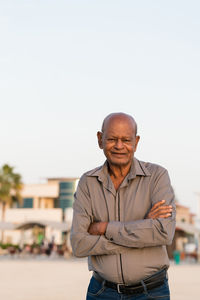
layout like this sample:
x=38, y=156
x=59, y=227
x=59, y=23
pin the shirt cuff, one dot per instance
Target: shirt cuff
x=112, y=230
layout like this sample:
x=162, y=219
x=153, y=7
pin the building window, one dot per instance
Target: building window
x=28, y=203
x=66, y=194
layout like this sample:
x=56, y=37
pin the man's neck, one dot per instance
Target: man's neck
x=118, y=173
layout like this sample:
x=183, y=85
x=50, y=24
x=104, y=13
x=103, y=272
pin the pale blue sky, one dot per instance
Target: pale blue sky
x=64, y=65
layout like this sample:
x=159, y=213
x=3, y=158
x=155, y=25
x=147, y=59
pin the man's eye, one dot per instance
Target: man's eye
x=111, y=140
x=126, y=141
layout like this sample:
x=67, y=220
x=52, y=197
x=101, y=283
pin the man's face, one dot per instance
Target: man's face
x=118, y=141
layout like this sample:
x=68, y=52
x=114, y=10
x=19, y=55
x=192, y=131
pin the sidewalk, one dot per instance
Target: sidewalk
x=184, y=282
x=68, y=280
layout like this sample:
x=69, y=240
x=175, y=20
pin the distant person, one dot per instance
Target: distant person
x=124, y=216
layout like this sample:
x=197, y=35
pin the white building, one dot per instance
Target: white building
x=46, y=210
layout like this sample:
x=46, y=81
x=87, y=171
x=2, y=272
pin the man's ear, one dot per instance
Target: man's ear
x=136, y=142
x=99, y=137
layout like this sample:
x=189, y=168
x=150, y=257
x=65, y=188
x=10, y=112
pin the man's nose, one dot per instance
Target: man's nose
x=119, y=144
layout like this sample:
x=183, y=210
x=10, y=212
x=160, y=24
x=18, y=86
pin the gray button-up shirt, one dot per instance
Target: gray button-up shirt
x=133, y=247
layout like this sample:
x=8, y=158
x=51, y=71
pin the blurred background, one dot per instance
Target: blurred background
x=65, y=65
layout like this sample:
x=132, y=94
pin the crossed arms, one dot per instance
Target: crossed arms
x=104, y=238
x=159, y=210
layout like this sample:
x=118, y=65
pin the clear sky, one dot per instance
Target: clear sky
x=65, y=65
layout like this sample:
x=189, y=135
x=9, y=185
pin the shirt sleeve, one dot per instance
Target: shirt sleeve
x=83, y=243
x=148, y=232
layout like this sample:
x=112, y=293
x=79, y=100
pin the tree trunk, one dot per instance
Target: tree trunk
x=3, y=219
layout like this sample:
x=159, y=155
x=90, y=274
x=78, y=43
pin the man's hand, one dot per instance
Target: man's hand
x=97, y=228
x=159, y=210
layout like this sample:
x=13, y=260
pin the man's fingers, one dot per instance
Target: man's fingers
x=163, y=216
x=157, y=208
x=158, y=204
x=157, y=216
x=160, y=214
x=162, y=209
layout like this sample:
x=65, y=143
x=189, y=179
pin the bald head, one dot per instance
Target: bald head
x=119, y=117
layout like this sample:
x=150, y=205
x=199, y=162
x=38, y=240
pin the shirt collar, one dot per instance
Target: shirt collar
x=102, y=174
x=138, y=168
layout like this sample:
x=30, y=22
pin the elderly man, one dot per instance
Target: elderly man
x=124, y=216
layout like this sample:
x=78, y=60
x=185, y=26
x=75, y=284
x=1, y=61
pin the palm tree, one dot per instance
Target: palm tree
x=10, y=187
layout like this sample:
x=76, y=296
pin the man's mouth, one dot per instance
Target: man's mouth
x=118, y=154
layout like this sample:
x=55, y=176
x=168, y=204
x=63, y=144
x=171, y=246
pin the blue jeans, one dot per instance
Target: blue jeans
x=97, y=290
